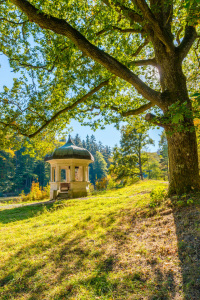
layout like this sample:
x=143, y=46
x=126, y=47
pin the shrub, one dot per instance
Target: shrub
x=36, y=193
x=112, y=184
x=101, y=184
x=91, y=188
x=157, y=196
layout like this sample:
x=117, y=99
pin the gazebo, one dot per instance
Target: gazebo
x=69, y=171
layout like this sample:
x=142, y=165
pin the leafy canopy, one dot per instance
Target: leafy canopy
x=58, y=79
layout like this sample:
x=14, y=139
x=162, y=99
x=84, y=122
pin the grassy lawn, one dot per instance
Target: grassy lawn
x=9, y=200
x=18, y=202
x=108, y=246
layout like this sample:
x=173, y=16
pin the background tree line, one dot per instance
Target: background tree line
x=18, y=170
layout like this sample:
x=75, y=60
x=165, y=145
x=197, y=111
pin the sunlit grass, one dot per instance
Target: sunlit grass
x=89, y=248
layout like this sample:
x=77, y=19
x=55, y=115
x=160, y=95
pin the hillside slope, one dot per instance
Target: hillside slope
x=109, y=246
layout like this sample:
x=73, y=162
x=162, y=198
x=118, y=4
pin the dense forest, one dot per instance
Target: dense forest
x=18, y=170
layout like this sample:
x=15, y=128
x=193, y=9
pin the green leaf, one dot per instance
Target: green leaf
x=177, y=118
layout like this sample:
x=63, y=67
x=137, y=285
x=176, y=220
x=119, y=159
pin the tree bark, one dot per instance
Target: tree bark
x=183, y=162
x=181, y=137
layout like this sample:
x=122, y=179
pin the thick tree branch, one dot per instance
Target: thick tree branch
x=144, y=62
x=110, y=63
x=137, y=111
x=159, y=32
x=127, y=12
x=131, y=112
x=139, y=49
x=187, y=42
x=126, y=30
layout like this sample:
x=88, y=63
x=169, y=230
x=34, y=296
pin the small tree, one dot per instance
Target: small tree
x=99, y=168
x=123, y=166
x=77, y=141
x=133, y=141
x=152, y=166
x=129, y=158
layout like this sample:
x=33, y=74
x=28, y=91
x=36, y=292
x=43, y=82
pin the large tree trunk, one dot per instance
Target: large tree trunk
x=182, y=145
x=183, y=162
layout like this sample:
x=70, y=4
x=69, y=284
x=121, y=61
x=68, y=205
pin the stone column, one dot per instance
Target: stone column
x=57, y=174
x=87, y=173
x=80, y=173
x=68, y=175
x=83, y=171
x=51, y=174
x=72, y=173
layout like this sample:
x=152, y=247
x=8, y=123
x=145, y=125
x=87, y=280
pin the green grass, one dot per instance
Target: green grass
x=108, y=246
x=18, y=202
x=9, y=200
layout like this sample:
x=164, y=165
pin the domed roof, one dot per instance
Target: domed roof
x=70, y=150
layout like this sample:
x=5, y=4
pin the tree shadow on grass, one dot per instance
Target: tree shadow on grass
x=98, y=272
x=22, y=213
x=25, y=278
x=187, y=222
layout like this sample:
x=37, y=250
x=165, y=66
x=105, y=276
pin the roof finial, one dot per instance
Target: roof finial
x=70, y=140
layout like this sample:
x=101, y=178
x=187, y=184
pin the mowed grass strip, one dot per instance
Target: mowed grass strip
x=91, y=248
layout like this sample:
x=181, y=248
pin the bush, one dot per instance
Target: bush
x=112, y=184
x=157, y=196
x=101, y=184
x=36, y=193
x=91, y=188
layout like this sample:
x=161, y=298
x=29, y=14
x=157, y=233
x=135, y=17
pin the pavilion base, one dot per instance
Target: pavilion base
x=78, y=189
x=79, y=194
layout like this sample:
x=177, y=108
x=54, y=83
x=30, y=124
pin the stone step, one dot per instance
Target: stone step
x=63, y=195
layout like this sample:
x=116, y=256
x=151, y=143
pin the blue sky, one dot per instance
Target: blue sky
x=109, y=136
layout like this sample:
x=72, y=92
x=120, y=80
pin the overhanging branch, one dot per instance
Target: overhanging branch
x=130, y=14
x=126, y=30
x=66, y=109
x=139, y=49
x=131, y=112
x=187, y=42
x=144, y=62
x=137, y=111
x=110, y=63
